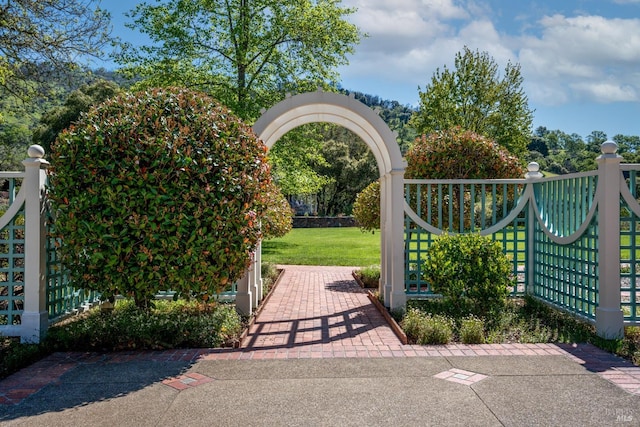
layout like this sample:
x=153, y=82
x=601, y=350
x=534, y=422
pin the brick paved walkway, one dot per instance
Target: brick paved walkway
x=319, y=312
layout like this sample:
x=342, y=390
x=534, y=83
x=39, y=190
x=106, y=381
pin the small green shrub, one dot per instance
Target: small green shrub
x=155, y=191
x=472, y=330
x=471, y=272
x=14, y=355
x=370, y=276
x=366, y=208
x=426, y=329
x=269, y=273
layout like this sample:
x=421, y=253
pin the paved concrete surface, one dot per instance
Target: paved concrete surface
x=333, y=363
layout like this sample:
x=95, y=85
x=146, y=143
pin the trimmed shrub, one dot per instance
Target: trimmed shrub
x=366, y=208
x=470, y=271
x=158, y=190
x=427, y=329
x=460, y=154
x=278, y=219
x=370, y=276
x=472, y=330
x=170, y=324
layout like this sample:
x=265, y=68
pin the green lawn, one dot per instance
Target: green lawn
x=324, y=246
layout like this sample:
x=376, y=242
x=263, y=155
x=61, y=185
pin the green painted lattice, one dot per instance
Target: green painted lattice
x=463, y=206
x=12, y=261
x=630, y=255
x=566, y=273
x=62, y=297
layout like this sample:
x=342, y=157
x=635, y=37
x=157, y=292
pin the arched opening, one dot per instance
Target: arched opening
x=346, y=111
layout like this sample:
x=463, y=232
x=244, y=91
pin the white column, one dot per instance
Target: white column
x=396, y=238
x=259, y=284
x=244, y=296
x=253, y=280
x=384, y=287
x=34, y=320
x=609, y=316
x=533, y=174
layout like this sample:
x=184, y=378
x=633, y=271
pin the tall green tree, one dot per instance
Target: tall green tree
x=475, y=97
x=595, y=140
x=240, y=51
x=57, y=33
x=351, y=168
x=627, y=144
x=296, y=159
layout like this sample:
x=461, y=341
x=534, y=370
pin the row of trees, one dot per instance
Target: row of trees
x=559, y=153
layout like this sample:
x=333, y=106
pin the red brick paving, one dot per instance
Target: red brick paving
x=319, y=309
x=316, y=312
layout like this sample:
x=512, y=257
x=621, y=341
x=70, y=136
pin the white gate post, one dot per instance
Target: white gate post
x=258, y=263
x=609, y=316
x=34, y=319
x=253, y=280
x=396, y=238
x=533, y=174
x=244, y=298
x=385, y=263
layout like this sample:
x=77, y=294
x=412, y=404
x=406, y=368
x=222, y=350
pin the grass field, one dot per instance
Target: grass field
x=324, y=246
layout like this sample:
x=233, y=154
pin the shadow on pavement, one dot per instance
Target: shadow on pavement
x=92, y=382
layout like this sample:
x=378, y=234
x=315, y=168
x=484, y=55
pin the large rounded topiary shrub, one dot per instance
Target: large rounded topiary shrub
x=459, y=154
x=158, y=190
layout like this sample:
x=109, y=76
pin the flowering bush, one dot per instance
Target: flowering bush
x=158, y=190
x=278, y=219
x=366, y=208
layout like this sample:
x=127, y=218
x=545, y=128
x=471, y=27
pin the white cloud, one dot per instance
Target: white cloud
x=585, y=58
x=611, y=92
x=564, y=58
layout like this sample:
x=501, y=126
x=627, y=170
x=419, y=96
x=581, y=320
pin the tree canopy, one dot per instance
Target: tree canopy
x=476, y=98
x=80, y=100
x=52, y=32
x=241, y=52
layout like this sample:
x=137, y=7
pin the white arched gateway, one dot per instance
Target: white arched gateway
x=327, y=107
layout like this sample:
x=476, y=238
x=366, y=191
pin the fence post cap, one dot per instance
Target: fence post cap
x=609, y=147
x=533, y=171
x=35, y=151
x=533, y=167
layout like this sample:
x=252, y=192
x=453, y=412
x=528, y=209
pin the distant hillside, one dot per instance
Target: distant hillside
x=393, y=113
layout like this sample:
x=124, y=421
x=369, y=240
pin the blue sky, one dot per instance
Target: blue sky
x=580, y=59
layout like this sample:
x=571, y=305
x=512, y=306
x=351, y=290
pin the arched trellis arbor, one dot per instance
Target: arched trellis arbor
x=346, y=111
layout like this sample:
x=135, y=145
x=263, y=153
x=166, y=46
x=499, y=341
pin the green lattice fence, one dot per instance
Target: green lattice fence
x=550, y=229
x=566, y=243
x=11, y=251
x=489, y=207
x=629, y=252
